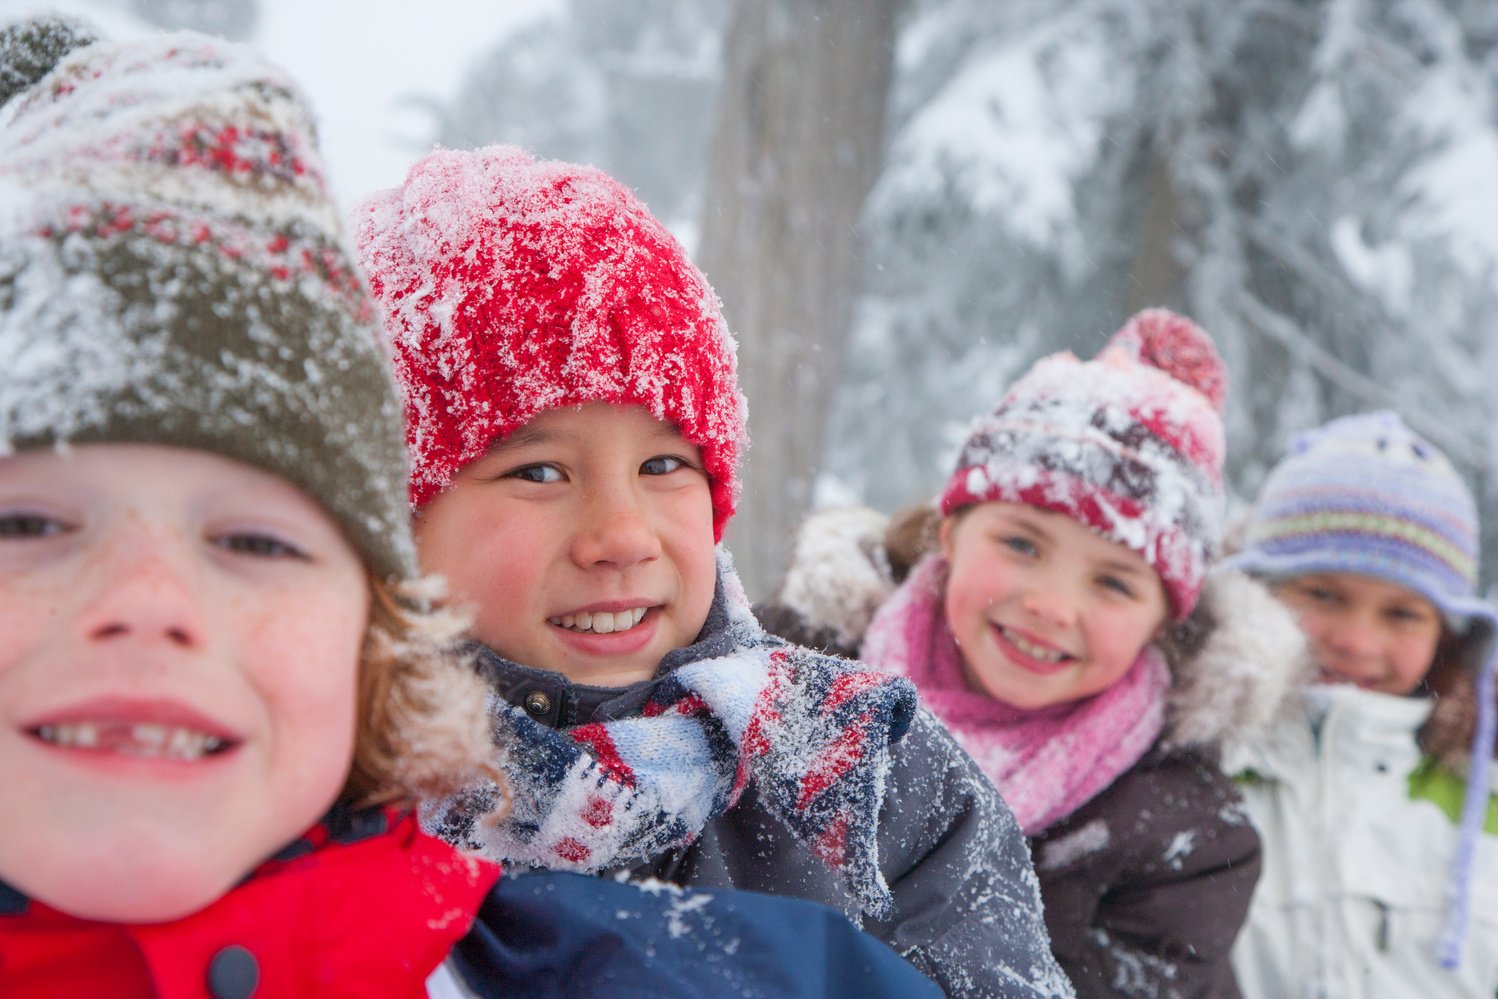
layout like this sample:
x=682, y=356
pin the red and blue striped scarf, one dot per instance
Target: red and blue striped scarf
x=812, y=732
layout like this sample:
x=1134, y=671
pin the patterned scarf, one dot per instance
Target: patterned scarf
x=812, y=732
x=1046, y=763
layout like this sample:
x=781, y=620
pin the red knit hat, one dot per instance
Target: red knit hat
x=511, y=286
x=1129, y=444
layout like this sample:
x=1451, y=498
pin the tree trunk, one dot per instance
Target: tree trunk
x=797, y=146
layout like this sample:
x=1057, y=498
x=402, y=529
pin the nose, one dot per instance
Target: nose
x=1350, y=638
x=144, y=590
x=1049, y=602
x=614, y=530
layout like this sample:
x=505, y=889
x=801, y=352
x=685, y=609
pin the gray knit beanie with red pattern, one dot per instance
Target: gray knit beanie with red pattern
x=173, y=271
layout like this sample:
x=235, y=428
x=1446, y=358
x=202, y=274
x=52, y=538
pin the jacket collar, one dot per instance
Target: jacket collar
x=364, y=899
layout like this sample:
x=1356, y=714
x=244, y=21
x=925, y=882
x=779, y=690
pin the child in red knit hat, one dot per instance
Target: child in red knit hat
x=575, y=420
x=1073, y=540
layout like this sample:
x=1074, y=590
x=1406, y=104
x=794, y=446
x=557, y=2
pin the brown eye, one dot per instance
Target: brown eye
x=24, y=526
x=260, y=546
x=541, y=474
x=663, y=464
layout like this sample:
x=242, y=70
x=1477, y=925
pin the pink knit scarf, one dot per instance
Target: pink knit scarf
x=1046, y=763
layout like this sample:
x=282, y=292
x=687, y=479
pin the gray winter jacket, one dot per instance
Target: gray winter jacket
x=967, y=907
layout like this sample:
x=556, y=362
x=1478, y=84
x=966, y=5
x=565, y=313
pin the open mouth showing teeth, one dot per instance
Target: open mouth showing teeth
x=1032, y=650
x=600, y=622
x=147, y=739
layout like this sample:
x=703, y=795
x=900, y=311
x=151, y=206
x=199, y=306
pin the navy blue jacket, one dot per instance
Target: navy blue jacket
x=554, y=934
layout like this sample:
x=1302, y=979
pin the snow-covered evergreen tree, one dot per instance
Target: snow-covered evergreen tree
x=1313, y=182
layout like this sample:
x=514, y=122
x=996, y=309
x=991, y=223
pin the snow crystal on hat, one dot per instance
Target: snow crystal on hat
x=1129, y=444
x=511, y=286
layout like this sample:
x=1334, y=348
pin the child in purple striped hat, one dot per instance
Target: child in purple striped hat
x=1379, y=864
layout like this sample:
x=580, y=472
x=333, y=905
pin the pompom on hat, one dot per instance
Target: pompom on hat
x=173, y=272
x=511, y=286
x=1129, y=444
x=1366, y=495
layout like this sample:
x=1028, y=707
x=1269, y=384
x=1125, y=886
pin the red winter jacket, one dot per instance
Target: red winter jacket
x=364, y=905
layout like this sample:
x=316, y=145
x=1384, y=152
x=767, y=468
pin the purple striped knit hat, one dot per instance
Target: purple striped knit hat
x=1366, y=495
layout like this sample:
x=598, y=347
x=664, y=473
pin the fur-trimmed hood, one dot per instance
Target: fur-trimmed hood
x=1236, y=662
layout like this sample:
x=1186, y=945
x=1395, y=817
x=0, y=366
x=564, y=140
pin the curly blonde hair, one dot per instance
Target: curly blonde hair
x=423, y=724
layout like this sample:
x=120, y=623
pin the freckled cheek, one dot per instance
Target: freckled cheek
x=304, y=664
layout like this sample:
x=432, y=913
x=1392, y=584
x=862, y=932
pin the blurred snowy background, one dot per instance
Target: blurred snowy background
x=903, y=203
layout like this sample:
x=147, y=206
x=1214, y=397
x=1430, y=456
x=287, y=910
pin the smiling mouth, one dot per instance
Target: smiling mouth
x=1042, y=653
x=600, y=622
x=145, y=739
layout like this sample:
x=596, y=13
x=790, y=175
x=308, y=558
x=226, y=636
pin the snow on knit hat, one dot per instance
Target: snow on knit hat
x=173, y=271
x=512, y=286
x=1129, y=444
x=1366, y=495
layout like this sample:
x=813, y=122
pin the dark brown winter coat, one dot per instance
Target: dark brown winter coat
x=1146, y=886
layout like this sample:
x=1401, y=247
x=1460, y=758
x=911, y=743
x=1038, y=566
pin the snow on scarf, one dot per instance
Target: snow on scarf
x=811, y=731
x=1047, y=763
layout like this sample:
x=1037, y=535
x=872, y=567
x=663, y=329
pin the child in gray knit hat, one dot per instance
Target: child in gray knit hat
x=220, y=688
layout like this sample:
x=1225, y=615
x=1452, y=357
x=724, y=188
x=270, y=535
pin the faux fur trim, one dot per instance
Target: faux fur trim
x=1237, y=661
x=839, y=572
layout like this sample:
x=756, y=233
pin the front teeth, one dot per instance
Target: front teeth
x=600, y=622
x=1032, y=650
x=141, y=739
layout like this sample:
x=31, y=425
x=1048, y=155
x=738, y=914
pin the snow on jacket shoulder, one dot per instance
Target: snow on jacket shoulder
x=967, y=904
x=1358, y=843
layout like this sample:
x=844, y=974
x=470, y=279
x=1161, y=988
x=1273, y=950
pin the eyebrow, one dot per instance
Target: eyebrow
x=1025, y=523
x=526, y=436
x=1125, y=568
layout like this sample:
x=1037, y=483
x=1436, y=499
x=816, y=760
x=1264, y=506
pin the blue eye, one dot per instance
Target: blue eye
x=535, y=473
x=1016, y=543
x=663, y=464
x=26, y=526
x=259, y=545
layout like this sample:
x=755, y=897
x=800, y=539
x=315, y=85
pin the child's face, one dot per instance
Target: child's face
x=1365, y=631
x=179, y=644
x=584, y=541
x=1044, y=610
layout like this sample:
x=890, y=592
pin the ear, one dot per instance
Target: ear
x=944, y=536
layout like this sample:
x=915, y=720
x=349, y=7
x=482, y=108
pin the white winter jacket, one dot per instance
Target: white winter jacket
x=1357, y=854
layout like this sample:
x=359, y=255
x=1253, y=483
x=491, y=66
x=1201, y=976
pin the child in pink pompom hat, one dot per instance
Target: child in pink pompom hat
x=1052, y=629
